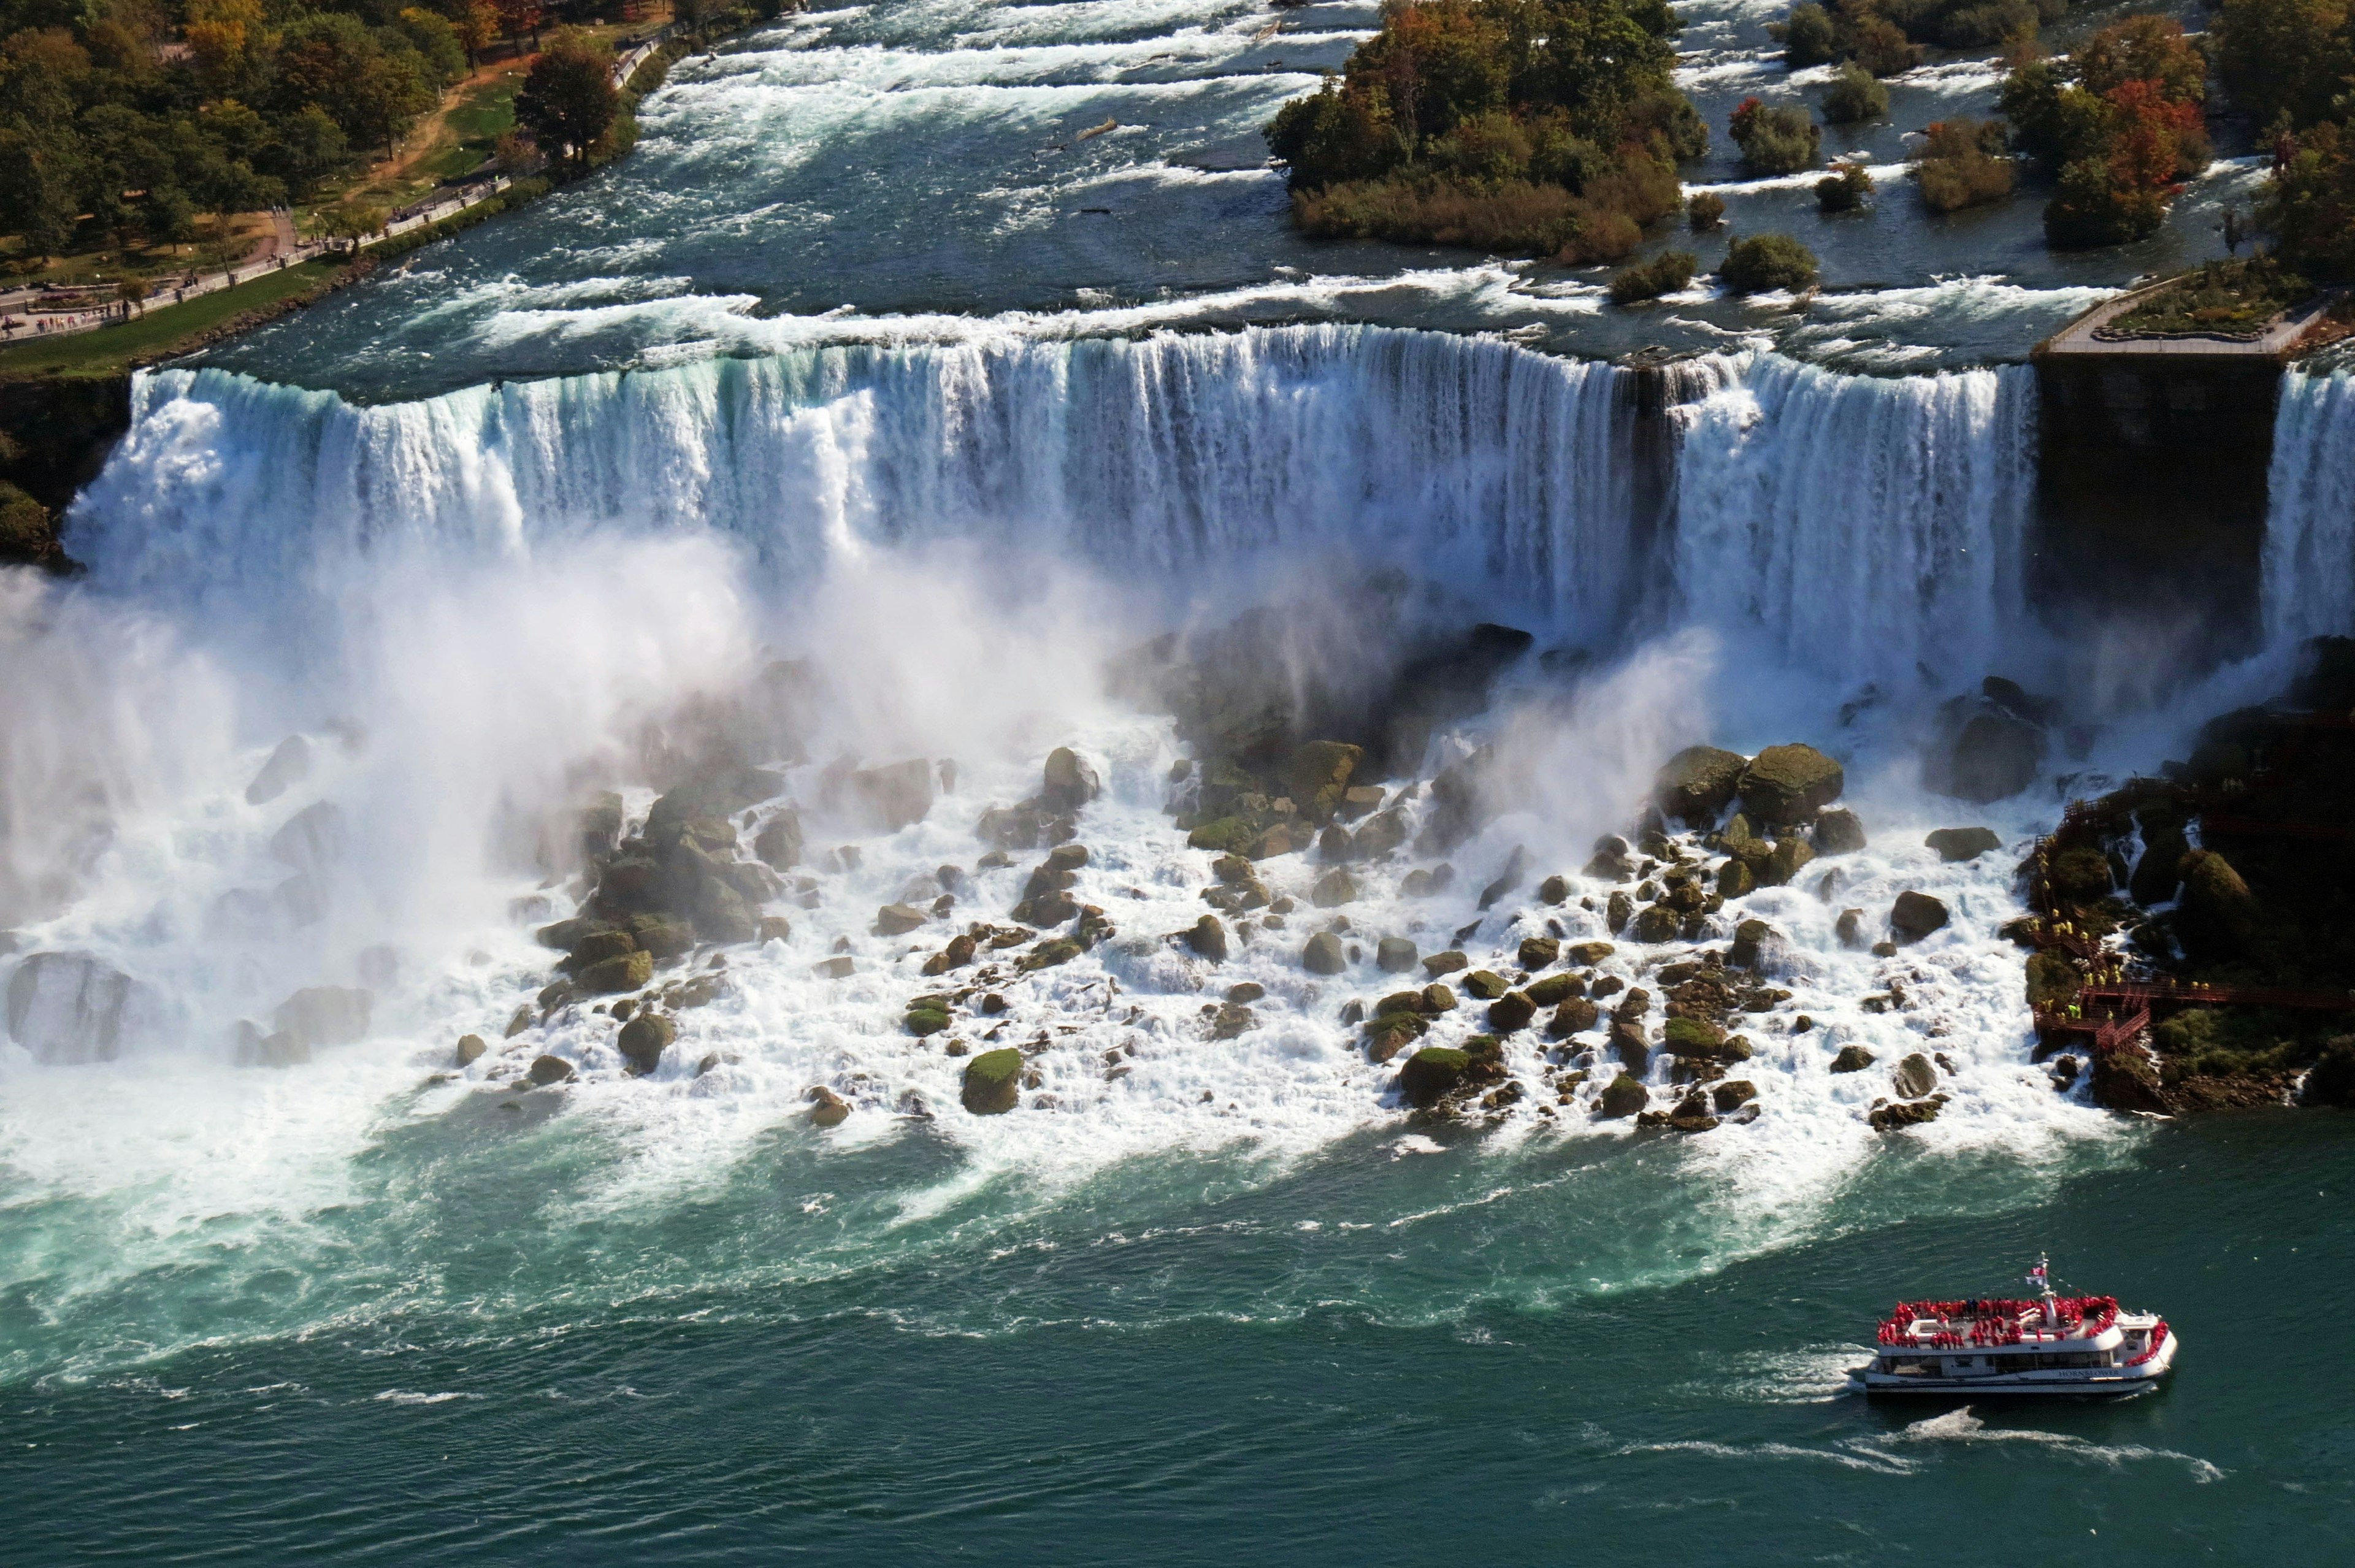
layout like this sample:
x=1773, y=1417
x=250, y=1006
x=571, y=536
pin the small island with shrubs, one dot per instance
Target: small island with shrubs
x=1521, y=127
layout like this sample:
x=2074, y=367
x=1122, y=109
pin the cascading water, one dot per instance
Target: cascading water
x=2309, y=553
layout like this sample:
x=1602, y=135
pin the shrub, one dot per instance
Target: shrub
x=1766, y=262
x=1881, y=48
x=1705, y=211
x=1963, y=164
x=2310, y=204
x=1807, y=38
x=1665, y=273
x=1854, y=96
x=1777, y=141
x=1989, y=22
x=1845, y=189
x=2091, y=209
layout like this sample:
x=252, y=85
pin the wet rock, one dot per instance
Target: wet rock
x=2216, y=915
x=1749, y=944
x=519, y=1022
x=1852, y=1059
x=1539, y=952
x=779, y=842
x=1511, y=1011
x=1621, y=1098
x=1394, y=956
x=1432, y=1073
x=2158, y=871
x=1359, y=800
x=723, y=914
x=827, y=1109
x=549, y=1070
x=1839, y=831
x=1575, y=1015
x=2081, y=876
x=1849, y=928
x=1655, y=923
x=1446, y=963
x=1906, y=1114
x=471, y=1049
x=288, y=765
x=1048, y=954
x=1783, y=864
x=643, y=1040
x=1555, y=988
x=923, y=1020
x=775, y=928
x=898, y=919
x=1231, y=1021
x=1618, y=911
x=69, y=1007
x=1914, y=1077
x=1333, y=889
x=324, y=1014
x=1697, y=784
x=1437, y=999
x=597, y=947
x=662, y=936
x=1610, y=861
x=622, y=972
x=894, y=796
x=1627, y=1043
x=1485, y=984
x=1955, y=844
x=1516, y=867
x=1694, y=1039
x=1733, y=1095
x=312, y=841
x=1383, y=834
x=1736, y=879
x=993, y=1083
x=1045, y=909
x=597, y=826
x=1915, y=915
x=1993, y=757
x=1246, y=991
x=255, y=1049
x=1334, y=847
x=1069, y=783
x=1587, y=954
x=1788, y=784
x=1322, y=956
x=1208, y=938
x=1317, y=777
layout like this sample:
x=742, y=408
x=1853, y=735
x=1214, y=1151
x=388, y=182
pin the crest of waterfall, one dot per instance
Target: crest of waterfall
x=1870, y=527
x=2310, y=552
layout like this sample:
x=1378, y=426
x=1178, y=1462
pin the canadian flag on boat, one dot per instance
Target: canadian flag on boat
x=2036, y=1276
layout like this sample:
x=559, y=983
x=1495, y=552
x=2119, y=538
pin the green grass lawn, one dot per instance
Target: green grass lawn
x=109, y=350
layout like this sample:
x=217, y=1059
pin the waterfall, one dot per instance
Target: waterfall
x=1868, y=526
x=2309, y=550
x=1865, y=526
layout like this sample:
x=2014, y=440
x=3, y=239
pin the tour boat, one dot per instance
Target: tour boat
x=2045, y=1344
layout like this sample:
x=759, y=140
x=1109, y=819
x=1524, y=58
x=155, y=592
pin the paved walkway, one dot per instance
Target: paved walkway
x=2079, y=336
x=23, y=315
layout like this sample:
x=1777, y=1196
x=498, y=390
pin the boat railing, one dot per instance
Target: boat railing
x=2158, y=1337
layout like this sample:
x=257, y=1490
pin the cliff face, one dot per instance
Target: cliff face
x=2151, y=497
x=55, y=433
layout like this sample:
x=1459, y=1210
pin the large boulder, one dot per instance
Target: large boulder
x=1208, y=938
x=1914, y=1077
x=313, y=840
x=892, y=797
x=549, y=1070
x=1955, y=844
x=71, y=1007
x=1788, y=784
x=1322, y=954
x=1395, y=954
x=898, y=919
x=1069, y=783
x=643, y=1040
x=1317, y=777
x=2127, y=1080
x=993, y=1082
x=624, y=972
x=2159, y=871
x=1511, y=1011
x=1995, y=756
x=1621, y=1098
x=1784, y=861
x=1697, y=784
x=1694, y=1039
x=779, y=842
x=324, y=1014
x=1430, y=1073
x=1839, y=831
x=1333, y=889
x=289, y=765
x=2216, y=915
x=1915, y=915
x=711, y=794
x=1852, y=1059
x=1655, y=923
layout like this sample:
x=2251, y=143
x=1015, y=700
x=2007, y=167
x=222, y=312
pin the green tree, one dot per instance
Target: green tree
x=2284, y=57
x=1809, y=38
x=1855, y=94
x=1765, y=262
x=567, y=98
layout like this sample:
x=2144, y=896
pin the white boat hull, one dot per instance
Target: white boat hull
x=2079, y=1382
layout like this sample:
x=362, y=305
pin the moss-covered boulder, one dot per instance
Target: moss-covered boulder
x=1539, y=952
x=993, y=1083
x=662, y=935
x=779, y=842
x=643, y=1040
x=1438, y=998
x=1485, y=983
x=1208, y=938
x=1787, y=785
x=1589, y=953
x=1322, y=955
x=1394, y=955
x=1748, y=947
x=2216, y=915
x=1618, y=910
x=2079, y=876
x=1511, y=1011
x=1733, y=1095
x=2159, y=871
x=622, y=972
x=1555, y=988
x=1317, y=777
x=1839, y=831
x=1957, y=844
x=1554, y=890
x=1447, y=963
x=1904, y=1114
x=1224, y=834
x=1697, y=784
x=597, y=948
x=1915, y=915
x=1431, y=1073
x=1852, y=1059
x=1790, y=855
x=923, y=1021
x=1621, y=1098
x=1333, y=889
x=1048, y=954
x=1387, y=1034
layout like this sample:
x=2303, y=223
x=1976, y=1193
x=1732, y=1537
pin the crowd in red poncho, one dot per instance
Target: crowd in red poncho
x=1994, y=1320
